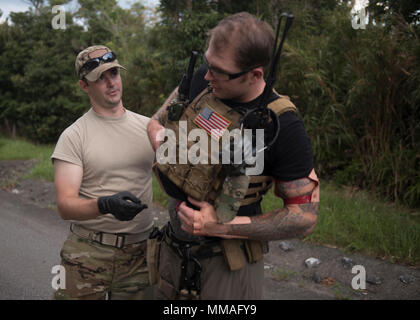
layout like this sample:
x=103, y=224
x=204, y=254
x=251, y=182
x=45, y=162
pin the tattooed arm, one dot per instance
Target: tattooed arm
x=158, y=120
x=292, y=221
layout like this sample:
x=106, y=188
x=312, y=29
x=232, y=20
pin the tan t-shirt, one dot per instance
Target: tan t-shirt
x=116, y=155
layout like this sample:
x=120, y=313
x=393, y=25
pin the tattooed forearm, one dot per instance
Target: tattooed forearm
x=293, y=221
x=278, y=224
x=161, y=114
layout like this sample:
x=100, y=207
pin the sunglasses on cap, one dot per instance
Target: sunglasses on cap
x=222, y=75
x=96, y=62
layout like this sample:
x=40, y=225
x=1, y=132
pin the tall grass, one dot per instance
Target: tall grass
x=358, y=222
x=19, y=149
x=159, y=196
x=359, y=95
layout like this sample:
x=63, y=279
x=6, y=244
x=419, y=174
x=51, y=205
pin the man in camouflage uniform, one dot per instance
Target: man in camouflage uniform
x=102, y=165
x=201, y=257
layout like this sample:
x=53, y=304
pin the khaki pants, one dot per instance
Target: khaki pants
x=217, y=281
x=95, y=271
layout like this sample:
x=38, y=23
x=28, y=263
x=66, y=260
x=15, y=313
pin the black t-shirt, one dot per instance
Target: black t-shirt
x=290, y=157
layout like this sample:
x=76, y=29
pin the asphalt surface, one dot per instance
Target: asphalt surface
x=30, y=242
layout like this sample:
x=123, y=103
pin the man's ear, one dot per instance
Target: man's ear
x=84, y=86
x=257, y=74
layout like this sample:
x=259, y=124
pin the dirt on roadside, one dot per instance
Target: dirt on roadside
x=334, y=274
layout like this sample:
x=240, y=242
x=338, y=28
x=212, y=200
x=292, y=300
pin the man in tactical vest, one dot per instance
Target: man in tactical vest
x=198, y=256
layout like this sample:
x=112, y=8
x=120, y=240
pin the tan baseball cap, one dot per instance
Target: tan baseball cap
x=93, y=75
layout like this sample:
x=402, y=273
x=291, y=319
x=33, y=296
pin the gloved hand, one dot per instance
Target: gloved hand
x=123, y=205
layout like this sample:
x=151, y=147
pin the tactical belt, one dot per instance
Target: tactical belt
x=117, y=240
x=198, y=249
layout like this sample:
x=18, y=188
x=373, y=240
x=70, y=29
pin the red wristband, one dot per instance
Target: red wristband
x=298, y=200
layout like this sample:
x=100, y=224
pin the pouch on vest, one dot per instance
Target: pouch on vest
x=229, y=201
x=233, y=253
x=152, y=258
x=152, y=254
x=254, y=250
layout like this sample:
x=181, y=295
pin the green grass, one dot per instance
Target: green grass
x=19, y=149
x=159, y=196
x=358, y=223
x=350, y=220
x=283, y=274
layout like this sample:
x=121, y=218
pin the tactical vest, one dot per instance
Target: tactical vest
x=203, y=182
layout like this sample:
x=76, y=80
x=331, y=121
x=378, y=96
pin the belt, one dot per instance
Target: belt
x=200, y=250
x=117, y=240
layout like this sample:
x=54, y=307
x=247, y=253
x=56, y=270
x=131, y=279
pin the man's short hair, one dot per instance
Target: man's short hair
x=251, y=38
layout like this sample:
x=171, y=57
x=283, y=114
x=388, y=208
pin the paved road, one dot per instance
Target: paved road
x=30, y=243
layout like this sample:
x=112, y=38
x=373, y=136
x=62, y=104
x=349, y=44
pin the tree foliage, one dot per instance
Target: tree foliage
x=387, y=9
x=39, y=95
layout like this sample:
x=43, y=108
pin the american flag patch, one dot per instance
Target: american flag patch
x=214, y=124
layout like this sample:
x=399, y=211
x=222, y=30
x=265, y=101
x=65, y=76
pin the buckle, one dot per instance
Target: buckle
x=95, y=236
x=119, y=241
x=100, y=234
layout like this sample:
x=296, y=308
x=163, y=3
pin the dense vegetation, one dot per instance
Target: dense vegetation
x=358, y=90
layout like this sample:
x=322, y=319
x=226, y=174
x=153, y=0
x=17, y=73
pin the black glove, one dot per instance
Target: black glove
x=123, y=205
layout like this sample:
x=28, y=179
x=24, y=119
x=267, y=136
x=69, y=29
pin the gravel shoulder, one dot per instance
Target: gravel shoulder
x=287, y=274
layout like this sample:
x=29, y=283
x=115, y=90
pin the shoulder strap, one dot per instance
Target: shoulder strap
x=198, y=97
x=282, y=105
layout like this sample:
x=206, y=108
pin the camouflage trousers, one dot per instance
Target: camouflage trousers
x=96, y=272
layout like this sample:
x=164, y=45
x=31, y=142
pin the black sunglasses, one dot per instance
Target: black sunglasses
x=222, y=75
x=95, y=62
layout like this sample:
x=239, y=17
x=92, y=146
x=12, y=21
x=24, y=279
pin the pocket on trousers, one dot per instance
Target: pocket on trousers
x=152, y=258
